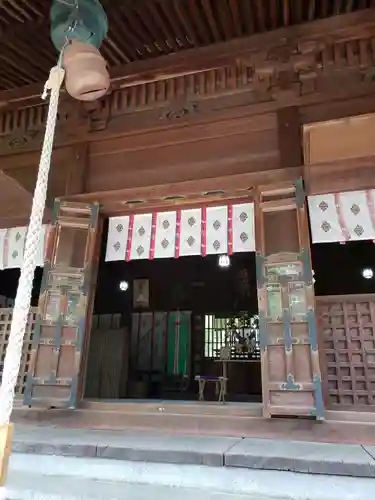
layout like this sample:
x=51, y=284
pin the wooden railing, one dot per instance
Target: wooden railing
x=5, y=322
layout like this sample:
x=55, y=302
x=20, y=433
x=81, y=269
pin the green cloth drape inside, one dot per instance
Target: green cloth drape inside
x=178, y=342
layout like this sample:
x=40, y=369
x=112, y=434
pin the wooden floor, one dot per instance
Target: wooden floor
x=192, y=417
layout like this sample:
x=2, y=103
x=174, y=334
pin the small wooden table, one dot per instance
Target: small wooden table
x=220, y=386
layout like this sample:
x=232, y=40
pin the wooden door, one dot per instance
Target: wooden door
x=65, y=303
x=291, y=380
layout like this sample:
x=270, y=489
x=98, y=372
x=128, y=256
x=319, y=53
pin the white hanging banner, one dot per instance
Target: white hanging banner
x=42, y=249
x=164, y=238
x=3, y=233
x=340, y=217
x=141, y=236
x=118, y=232
x=191, y=232
x=15, y=244
x=173, y=234
x=243, y=237
x=324, y=219
x=357, y=209
x=216, y=230
x=12, y=245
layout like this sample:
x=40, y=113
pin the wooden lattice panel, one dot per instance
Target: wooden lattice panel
x=347, y=327
x=5, y=322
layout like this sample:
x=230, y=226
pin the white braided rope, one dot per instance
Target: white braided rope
x=23, y=297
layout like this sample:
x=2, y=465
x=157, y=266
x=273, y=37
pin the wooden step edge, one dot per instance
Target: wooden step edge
x=45, y=414
x=344, y=416
x=151, y=411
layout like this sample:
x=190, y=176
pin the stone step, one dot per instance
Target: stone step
x=68, y=478
x=224, y=452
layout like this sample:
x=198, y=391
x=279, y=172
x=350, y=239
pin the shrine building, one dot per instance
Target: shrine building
x=175, y=286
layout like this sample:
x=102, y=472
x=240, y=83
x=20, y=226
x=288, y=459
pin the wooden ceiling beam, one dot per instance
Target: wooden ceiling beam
x=184, y=193
x=207, y=7
x=340, y=175
x=335, y=29
x=23, y=30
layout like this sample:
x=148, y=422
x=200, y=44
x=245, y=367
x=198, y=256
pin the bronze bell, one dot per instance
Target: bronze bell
x=86, y=75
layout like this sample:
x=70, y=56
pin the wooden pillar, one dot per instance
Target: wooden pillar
x=6, y=438
x=291, y=379
x=290, y=137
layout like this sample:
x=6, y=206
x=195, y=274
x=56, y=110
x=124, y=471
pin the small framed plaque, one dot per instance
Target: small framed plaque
x=141, y=294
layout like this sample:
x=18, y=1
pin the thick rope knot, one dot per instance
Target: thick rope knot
x=22, y=302
x=55, y=80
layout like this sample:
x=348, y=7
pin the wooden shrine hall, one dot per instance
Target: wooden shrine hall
x=231, y=127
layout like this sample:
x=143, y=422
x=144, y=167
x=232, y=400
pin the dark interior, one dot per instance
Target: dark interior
x=196, y=286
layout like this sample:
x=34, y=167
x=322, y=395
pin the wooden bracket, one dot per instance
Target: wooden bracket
x=6, y=439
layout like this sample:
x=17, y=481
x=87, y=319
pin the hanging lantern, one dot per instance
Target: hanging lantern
x=79, y=27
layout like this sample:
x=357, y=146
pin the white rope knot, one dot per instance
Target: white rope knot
x=55, y=80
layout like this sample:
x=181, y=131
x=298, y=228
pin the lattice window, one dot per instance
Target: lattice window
x=5, y=322
x=348, y=329
x=223, y=331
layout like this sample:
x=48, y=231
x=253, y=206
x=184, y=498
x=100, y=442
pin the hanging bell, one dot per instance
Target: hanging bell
x=86, y=75
x=79, y=27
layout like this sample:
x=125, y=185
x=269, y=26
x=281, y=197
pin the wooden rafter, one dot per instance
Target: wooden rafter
x=146, y=29
x=340, y=29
